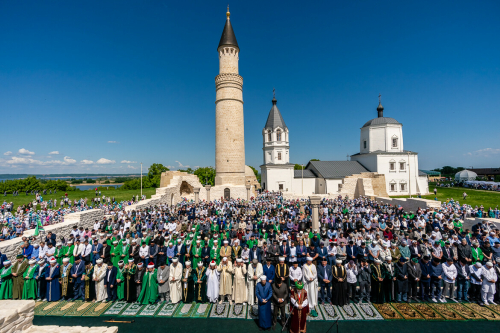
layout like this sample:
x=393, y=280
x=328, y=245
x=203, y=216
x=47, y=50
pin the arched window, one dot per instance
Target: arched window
x=392, y=166
x=269, y=137
x=394, y=142
x=278, y=135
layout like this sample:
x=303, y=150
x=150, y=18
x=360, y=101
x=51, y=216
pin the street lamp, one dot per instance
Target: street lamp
x=302, y=179
x=141, y=180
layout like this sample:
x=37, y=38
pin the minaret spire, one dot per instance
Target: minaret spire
x=380, y=108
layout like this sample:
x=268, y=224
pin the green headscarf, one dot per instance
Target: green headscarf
x=299, y=285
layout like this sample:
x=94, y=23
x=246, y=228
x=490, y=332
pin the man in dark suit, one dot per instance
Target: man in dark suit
x=105, y=253
x=415, y=250
x=51, y=238
x=205, y=255
x=463, y=279
x=301, y=253
x=362, y=251
x=325, y=281
x=280, y=300
x=255, y=253
x=285, y=251
x=110, y=282
x=447, y=252
x=352, y=252
x=76, y=272
x=273, y=252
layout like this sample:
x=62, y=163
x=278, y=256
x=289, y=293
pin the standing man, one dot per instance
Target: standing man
x=163, y=273
x=488, y=286
x=98, y=278
x=29, y=288
x=138, y=277
x=66, y=279
x=6, y=278
x=149, y=292
x=239, y=282
x=200, y=283
x=212, y=282
x=310, y=280
x=324, y=280
x=364, y=279
x=52, y=278
x=299, y=308
x=187, y=283
x=254, y=271
x=264, y=293
x=402, y=279
x=76, y=272
x=339, y=284
x=110, y=282
x=40, y=280
x=18, y=270
x=226, y=284
x=175, y=277
x=414, y=274
x=377, y=286
x=282, y=272
x=280, y=300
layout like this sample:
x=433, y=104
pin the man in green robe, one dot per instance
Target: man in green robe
x=29, y=289
x=200, y=283
x=196, y=252
x=115, y=253
x=6, y=277
x=59, y=253
x=68, y=253
x=149, y=292
x=120, y=280
x=124, y=251
x=18, y=269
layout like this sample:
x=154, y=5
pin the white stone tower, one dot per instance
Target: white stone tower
x=229, y=127
x=277, y=171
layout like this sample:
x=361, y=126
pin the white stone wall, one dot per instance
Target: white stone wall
x=380, y=138
x=309, y=186
x=83, y=219
x=332, y=185
x=274, y=176
x=273, y=147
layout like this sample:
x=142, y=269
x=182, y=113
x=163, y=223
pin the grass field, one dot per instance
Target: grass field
x=474, y=198
x=119, y=195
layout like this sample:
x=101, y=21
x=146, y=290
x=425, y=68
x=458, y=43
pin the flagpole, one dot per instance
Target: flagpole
x=141, y=180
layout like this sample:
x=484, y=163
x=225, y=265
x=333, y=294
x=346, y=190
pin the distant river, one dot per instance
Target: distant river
x=89, y=187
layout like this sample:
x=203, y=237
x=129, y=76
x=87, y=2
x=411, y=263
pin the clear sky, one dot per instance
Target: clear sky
x=100, y=86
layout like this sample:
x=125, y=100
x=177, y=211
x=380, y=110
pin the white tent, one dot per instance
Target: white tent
x=465, y=175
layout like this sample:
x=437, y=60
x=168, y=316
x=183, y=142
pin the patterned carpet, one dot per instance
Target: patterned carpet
x=350, y=312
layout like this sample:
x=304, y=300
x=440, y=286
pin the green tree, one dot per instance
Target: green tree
x=154, y=174
x=256, y=173
x=298, y=167
x=206, y=175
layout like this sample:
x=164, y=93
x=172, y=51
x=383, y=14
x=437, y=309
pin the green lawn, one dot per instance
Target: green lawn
x=119, y=195
x=475, y=197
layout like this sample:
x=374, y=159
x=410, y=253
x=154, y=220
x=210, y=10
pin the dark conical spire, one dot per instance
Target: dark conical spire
x=380, y=108
x=228, y=37
x=274, y=119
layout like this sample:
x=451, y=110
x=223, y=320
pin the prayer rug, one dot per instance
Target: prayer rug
x=407, y=311
x=464, y=311
x=494, y=308
x=167, y=310
x=203, y=310
x=445, y=311
x=238, y=311
x=220, y=310
x=349, y=312
x=64, y=308
x=80, y=309
x=388, y=312
x=116, y=309
x=97, y=310
x=483, y=311
x=132, y=310
x=150, y=310
x=319, y=317
x=426, y=311
x=330, y=312
x=253, y=312
x=368, y=312
x=48, y=308
x=184, y=310
x=38, y=303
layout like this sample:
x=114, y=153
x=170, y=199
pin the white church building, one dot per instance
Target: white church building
x=382, y=159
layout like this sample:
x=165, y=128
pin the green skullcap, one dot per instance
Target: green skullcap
x=299, y=285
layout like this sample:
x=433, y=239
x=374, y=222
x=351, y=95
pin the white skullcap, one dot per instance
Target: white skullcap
x=378, y=261
x=388, y=258
x=99, y=261
x=263, y=277
x=41, y=261
x=225, y=242
x=188, y=263
x=53, y=260
x=478, y=264
x=338, y=261
x=282, y=259
x=131, y=260
x=6, y=262
x=115, y=242
x=151, y=265
x=58, y=244
x=32, y=261
x=375, y=242
x=175, y=260
x=309, y=259
x=489, y=264
x=200, y=264
x=66, y=260
x=198, y=241
x=224, y=259
x=212, y=263
x=239, y=260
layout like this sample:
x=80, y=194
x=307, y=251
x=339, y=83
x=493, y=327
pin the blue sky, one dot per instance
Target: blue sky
x=100, y=86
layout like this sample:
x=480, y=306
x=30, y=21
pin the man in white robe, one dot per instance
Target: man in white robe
x=254, y=271
x=226, y=279
x=212, y=282
x=239, y=282
x=174, y=281
x=310, y=280
x=98, y=277
x=488, y=288
x=295, y=273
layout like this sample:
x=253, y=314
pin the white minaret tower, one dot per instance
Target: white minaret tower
x=229, y=127
x=277, y=171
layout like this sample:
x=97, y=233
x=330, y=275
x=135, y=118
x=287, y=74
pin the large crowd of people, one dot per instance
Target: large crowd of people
x=261, y=252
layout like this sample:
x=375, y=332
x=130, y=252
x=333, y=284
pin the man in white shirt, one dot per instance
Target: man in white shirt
x=450, y=275
x=78, y=248
x=144, y=253
x=488, y=285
